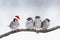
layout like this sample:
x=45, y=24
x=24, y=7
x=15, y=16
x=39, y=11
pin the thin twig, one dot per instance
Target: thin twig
x=33, y=30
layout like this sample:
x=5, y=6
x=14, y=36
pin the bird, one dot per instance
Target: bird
x=37, y=23
x=15, y=23
x=29, y=23
x=45, y=24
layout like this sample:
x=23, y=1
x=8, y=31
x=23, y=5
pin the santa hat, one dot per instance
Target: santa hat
x=17, y=17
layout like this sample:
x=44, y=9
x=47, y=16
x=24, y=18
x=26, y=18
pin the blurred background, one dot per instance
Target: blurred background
x=28, y=8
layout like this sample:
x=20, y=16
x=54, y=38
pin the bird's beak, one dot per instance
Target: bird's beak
x=19, y=18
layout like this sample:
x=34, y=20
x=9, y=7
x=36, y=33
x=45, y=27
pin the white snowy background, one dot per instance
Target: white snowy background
x=29, y=8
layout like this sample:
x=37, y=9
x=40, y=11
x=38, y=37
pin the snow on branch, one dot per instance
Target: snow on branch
x=33, y=30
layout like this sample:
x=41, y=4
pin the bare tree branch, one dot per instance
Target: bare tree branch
x=33, y=30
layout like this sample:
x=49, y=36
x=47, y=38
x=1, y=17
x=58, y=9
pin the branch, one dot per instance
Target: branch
x=33, y=30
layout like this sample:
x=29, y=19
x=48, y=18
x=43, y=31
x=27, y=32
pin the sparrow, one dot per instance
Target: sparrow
x=29, y=23
x=45, y=24
x=15, y=23
x=37, y=23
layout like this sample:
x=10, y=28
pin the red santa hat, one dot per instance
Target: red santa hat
x=17, y=17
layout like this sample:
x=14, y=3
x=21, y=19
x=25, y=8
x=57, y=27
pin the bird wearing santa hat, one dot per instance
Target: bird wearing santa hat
x=37, y=23
x=29, y=23
x=14, y=24
x=45, y=24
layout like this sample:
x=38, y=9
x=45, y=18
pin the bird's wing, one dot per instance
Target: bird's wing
x=42, y=23
x=40, y=20
x=11, y=24
x=34, y=22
